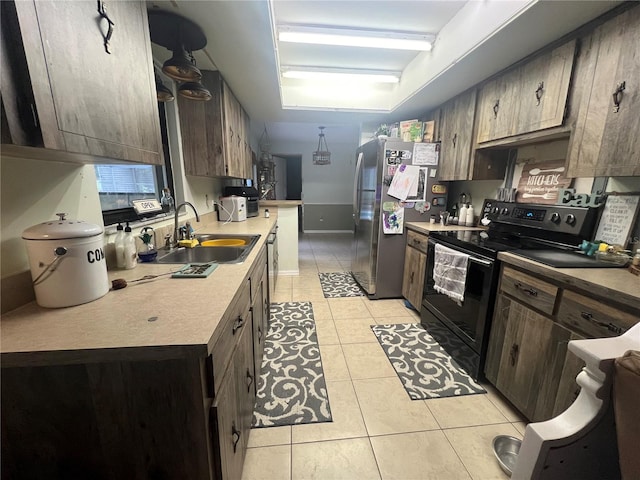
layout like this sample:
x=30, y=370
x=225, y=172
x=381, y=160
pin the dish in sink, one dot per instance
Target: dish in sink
x=204, y=254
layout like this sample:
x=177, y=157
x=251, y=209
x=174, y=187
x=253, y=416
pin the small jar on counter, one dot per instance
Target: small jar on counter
x=266, y=213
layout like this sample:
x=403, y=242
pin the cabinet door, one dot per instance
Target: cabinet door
x=496, y=108
x=415, y=263
x=232, y=133
x=90, y=101
x=531, y=359
x=243, y=368
x=605, y=140
x=568, y=389
x=543, y=89
x=201, y=130
x=457, y=126
x=259, y=324
x=227, y=430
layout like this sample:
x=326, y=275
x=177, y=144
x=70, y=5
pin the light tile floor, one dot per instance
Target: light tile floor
x=377, y=431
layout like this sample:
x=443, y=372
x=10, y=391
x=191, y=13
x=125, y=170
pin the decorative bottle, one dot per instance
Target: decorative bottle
x=469, y=216
x=462, y=214
x=119, y=246
x=130, y=252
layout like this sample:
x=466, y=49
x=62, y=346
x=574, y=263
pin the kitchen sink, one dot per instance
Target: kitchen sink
x=199, y=254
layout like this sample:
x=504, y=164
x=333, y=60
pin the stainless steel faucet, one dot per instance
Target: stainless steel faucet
x=175, y=223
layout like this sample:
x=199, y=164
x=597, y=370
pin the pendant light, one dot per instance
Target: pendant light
x=194, y=91
x=162, y=92
x=182, y=37
x=322, y=156
x=181, y=67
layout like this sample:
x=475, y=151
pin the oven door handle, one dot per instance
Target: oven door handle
x=480, y=261
x=486, y=263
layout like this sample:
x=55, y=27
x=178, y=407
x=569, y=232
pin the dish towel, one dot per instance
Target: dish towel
x=450, y=272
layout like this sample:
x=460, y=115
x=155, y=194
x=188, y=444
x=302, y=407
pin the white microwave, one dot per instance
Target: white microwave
x=233, y=209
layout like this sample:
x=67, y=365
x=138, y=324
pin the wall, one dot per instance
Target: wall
x=33, y=191
x=482, y=189
x=329, y=188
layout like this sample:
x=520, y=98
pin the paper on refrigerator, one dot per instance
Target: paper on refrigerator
x=404, y=182
x=392, y=218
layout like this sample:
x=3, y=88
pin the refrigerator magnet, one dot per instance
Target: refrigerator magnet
x=392, y=218
x=422, y=207
x=438, y=201
x=439, y=189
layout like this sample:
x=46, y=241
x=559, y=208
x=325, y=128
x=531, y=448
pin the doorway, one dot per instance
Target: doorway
x=292, y=176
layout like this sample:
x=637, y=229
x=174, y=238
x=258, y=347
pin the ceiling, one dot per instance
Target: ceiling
x=474, y=40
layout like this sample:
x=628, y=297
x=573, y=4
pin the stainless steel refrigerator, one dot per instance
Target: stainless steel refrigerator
x=377, y=260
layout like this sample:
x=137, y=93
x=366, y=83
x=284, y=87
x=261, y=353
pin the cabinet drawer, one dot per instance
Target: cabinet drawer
x=530, y=290
x=593, y=318
x=417, y=241
x=234, y=322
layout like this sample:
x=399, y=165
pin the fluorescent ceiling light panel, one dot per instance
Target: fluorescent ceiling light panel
x=355, y=38
x=341, y=75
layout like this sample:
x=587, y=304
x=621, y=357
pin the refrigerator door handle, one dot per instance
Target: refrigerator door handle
x=356, y=190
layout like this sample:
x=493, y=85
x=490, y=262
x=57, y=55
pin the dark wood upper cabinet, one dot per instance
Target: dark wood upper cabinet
x=62, y=91
x=215, y=134
x=528, y=98
x=456, y=136
x=605, y=140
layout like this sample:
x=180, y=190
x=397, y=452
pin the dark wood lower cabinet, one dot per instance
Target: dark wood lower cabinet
x=529, y=350
x=134, y=420
x=234, y=408
x=528, y=359
x=160, y=416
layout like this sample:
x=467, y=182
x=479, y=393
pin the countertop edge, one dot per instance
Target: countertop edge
x=575, y=277
x=280, y=203
x=427, y=227
x=42, y=352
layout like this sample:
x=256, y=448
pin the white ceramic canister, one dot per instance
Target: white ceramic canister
x=67, y=262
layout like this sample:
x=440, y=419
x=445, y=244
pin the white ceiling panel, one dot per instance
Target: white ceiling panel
x=472, y=46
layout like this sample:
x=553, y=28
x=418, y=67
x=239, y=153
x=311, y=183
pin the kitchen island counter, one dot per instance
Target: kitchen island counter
x=280, y=203
x=160, y=318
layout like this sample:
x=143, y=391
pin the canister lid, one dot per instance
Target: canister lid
x=61, y=229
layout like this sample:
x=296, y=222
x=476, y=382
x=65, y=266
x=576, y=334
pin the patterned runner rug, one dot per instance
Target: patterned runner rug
x=425, y=369
x=339, y=284
x=291, y=387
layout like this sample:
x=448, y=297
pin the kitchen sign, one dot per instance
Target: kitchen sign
x=618, y=217
x=540, y=182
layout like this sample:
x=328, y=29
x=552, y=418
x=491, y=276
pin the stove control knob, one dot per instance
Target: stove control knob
x=496, y=210
x=571, y=219
x=555, y=217
x=505, y=211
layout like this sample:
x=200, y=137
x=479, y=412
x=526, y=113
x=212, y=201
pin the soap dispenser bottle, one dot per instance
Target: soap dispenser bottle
x=462, y=214
x=130, y=252
x=119, y=246
x=469, y=216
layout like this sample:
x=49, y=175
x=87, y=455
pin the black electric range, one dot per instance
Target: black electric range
x=549, y=234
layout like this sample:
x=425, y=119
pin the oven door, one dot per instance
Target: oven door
x=469, y=320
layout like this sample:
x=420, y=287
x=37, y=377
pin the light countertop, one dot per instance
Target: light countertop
x=280, y=203
x=115, y=326
x=426, y=227
x=616, y=284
